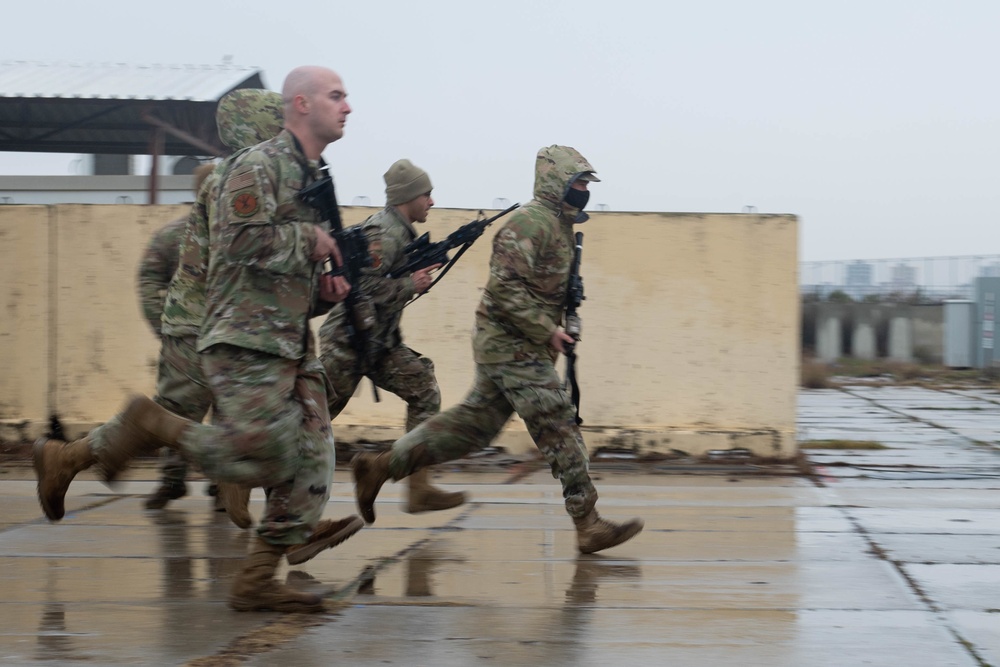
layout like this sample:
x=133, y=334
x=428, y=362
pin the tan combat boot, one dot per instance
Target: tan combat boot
x=422, y=496
x=256, y=589
x=145, y=428
x=56, y=464
x=370, y=472
x=235, y=499
x=327, y=535
x=596, y=534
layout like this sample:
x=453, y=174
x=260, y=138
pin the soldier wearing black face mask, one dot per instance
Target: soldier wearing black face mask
x=577, y=195
x=519, y=335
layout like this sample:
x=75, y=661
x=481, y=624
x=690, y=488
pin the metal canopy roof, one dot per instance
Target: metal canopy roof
x=115, y=108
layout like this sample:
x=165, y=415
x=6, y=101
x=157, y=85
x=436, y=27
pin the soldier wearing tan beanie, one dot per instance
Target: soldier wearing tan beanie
x=396, y=368
x=404, y=182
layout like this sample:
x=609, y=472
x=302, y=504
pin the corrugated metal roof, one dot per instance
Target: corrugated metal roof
x=122, y=81
x=112, y=108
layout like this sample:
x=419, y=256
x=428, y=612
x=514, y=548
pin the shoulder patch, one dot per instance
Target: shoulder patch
x=245, y=204
x=375, y=252
x=240, y=181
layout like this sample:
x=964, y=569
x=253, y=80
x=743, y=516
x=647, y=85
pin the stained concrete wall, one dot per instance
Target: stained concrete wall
x=690, y=338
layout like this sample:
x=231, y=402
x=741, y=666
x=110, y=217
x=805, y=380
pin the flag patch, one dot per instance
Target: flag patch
x=240, y=181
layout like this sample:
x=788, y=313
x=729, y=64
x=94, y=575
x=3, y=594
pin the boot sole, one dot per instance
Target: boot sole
x=420, y=509
x=309, y=552
x=37, y=454
x=625, y=537
x=287, y=608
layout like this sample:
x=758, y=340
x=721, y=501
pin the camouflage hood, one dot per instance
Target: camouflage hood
x=555, y=169
x=248, y=116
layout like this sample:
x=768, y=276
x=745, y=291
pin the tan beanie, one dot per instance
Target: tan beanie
x=405, y=181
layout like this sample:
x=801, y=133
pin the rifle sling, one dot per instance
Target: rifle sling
x=574, y=388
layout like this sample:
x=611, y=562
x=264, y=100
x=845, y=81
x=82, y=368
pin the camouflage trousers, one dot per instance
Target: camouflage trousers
x=271, y=428
x=181, y=388
x=400, y=371
x=534, y=390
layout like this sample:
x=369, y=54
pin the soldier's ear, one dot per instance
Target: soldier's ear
x=301, y=103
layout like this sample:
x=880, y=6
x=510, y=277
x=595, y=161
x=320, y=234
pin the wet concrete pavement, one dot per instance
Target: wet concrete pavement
x=886, y=557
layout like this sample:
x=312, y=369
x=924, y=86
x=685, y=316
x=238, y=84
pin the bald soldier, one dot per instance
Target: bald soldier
x=265, y=281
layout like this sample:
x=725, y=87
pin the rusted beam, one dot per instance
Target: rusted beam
x=180, y=134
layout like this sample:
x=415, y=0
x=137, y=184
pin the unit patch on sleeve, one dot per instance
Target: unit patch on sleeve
x=245, y=204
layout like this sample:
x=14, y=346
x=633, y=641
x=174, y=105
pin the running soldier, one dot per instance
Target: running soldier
x=517, y=340
x=389, y=363
x=265, y=280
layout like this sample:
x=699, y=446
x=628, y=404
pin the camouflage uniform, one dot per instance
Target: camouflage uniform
x=521, y=307
x=272, y=423
x=156, y=269
x=244, y=118
x=393, y=366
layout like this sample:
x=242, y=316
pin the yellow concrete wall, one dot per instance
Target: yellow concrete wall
x=690, y=327
x=25, y=289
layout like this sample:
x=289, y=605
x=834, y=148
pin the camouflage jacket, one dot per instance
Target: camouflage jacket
x=184, y=307
x=156, y=270
x=245, y=117
x=525, y=296
x=262, y=287
x=387, y=233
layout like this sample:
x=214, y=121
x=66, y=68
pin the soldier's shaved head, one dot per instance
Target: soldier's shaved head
x=303, y=81
x=316, y=107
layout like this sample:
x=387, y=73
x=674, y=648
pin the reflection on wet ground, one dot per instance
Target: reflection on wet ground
x=888, y=557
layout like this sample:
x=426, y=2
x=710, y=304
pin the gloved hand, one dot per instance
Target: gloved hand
x=574, y=326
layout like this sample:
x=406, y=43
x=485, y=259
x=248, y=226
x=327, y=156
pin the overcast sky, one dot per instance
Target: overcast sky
x=875, y=121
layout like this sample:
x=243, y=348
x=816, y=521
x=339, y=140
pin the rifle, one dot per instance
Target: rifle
x=422, y=253
x=574, y=297
x=353, y=245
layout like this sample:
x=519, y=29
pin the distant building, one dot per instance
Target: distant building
x=859, y=279
x=903, y=278
x=990, y=270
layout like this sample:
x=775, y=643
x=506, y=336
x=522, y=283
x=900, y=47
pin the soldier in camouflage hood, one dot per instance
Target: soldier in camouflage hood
x=517, y=340
x=393, y=366
x=264, y=282
x=156, y=270
x=244, y=117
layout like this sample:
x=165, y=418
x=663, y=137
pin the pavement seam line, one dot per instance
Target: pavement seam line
x=880, y=553
x=918, y=419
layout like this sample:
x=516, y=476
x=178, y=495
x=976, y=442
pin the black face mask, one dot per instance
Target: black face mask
x=577, y=198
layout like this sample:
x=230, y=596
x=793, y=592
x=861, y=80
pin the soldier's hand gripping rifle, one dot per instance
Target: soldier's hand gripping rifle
x=353, y=245
x=422, y=253
x=574, y=297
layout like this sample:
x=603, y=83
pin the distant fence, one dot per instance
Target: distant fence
x=928, y=278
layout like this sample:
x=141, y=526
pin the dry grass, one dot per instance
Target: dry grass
x=841, y=444
x=848, y=370
x=815, y=375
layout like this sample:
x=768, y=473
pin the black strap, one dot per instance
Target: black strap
x=574, y=388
